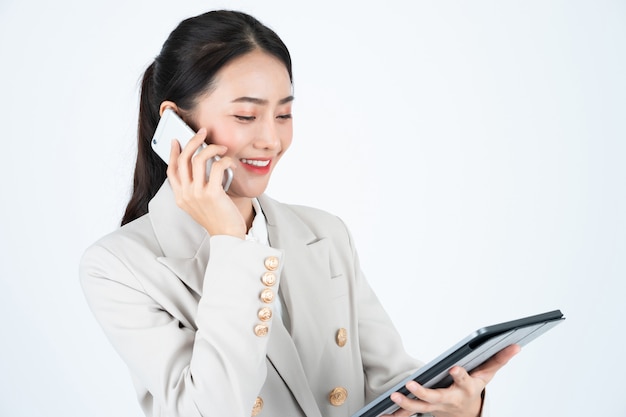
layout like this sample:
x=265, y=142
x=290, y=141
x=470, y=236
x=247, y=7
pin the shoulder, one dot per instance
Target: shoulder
x=129, y=245
x=322, y=223
x=133, y=235
x=311, y=215
x=315, y=216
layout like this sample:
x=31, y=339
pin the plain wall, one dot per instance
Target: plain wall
x=475, y=149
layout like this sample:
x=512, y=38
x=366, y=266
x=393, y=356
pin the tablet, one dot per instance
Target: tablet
x=469, y=353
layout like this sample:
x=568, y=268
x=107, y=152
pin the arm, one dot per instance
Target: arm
x=216, y=370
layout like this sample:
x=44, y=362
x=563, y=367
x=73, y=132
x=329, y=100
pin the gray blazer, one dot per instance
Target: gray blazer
x=182, y=309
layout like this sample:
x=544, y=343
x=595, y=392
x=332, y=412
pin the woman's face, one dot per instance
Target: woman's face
x=248, y=110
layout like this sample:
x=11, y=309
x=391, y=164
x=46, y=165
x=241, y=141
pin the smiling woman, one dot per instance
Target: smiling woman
x=192, y=62
x=231, y=303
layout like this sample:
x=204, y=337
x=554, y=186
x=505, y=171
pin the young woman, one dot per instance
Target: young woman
x=230, y=303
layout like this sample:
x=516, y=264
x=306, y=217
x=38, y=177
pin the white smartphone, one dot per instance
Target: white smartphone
x=171, y=126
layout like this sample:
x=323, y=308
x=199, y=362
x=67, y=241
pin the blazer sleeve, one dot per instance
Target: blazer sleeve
x=216, y=369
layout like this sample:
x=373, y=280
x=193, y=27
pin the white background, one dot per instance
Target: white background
x=475, y=149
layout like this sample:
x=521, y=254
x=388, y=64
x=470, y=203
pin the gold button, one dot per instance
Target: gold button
x=258, y=406
x=269, y=279
x=342, y=337
x=338, y=396
x=265, y=314
x=271, y=263
x=261, y=330
x=267, y=295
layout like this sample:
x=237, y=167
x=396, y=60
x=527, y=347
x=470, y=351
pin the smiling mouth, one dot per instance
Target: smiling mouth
x=256, y=162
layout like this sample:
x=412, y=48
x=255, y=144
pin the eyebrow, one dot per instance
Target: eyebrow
x=261, y=101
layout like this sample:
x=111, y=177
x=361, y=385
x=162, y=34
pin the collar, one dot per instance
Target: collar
x=181, y=237
x=177, y=232
x=258, y=231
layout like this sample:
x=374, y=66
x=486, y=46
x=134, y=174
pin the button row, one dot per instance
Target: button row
x=267, y=296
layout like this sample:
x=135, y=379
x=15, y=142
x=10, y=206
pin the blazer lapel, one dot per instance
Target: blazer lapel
x=185, y=244
x=304, y=286
x=283, y=355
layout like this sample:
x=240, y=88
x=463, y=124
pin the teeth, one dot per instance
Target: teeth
x=255, y=162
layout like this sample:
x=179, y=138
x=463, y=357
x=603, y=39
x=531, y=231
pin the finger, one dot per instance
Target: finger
x=186, y=156
x=487, y=371
x=218, y=172
x=462, y=379
x=172, y=166
x=408, y=406
x=203, y=160
x=424, y=395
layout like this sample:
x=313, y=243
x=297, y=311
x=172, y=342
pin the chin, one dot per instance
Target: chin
x=247, y=190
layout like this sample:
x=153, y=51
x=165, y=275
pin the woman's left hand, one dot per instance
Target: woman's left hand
x=461, y=399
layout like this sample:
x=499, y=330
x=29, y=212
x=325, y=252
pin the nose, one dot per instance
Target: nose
x=267, y=136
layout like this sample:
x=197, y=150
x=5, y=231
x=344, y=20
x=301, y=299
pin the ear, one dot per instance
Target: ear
x=167, y=104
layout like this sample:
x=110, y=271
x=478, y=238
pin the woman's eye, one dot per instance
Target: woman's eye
x=244, y=118
x=284, y=116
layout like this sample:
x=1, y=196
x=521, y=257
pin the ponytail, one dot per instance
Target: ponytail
x=150, y=170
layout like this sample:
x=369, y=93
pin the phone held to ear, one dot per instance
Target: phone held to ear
x=171, y=126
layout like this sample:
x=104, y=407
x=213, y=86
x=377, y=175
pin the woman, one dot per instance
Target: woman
x=230, y=303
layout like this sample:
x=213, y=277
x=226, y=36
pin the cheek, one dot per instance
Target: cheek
x=286, y=137
x=226, y=135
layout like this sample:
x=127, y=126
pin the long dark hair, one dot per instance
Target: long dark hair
x=185, y=69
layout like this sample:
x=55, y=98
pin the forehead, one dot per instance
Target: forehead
x=255, y=74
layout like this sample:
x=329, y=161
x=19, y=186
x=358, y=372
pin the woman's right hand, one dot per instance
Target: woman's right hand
x=205, y=201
